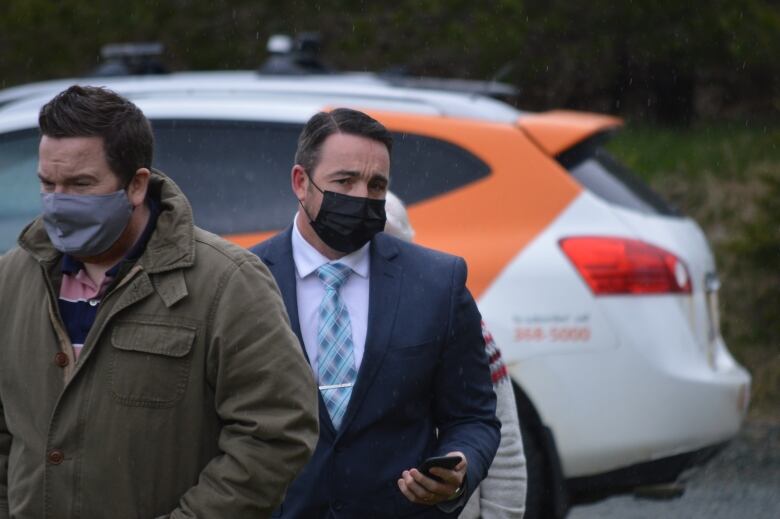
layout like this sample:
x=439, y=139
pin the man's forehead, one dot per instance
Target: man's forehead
x=71, y=147
x=343, y=142
x=67, y=157
x=354, y=153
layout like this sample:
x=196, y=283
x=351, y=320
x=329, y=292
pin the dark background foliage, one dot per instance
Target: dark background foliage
x=661, y=60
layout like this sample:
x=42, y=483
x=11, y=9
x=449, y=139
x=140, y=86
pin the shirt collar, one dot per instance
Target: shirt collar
x=308, y=259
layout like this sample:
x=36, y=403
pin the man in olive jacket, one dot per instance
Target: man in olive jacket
x=147, y=367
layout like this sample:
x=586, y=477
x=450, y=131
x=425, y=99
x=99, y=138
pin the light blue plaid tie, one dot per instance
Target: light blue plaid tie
x=336, y=362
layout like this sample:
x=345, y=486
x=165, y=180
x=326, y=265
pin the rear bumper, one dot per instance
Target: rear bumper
x=593, y=488
x=630, y=412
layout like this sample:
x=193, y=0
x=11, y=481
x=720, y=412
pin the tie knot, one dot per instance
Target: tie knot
x=333, y=275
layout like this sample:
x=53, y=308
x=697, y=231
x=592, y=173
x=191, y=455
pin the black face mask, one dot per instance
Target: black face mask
x=346, y=223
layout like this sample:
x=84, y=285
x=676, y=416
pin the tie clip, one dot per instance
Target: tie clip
x=337, y=386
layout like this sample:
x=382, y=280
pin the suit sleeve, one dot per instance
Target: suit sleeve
x=266, y=397
x=5, y=450
x=465, y=403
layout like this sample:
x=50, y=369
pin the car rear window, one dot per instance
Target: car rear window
x=600, y=173
x=237, y=174
x=19, y=186
x=423, y=167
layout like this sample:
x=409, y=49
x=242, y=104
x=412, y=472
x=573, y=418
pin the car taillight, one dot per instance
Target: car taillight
x=624, y=266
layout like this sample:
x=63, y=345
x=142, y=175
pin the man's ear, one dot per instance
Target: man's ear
x=299, y=181
x=139, y=185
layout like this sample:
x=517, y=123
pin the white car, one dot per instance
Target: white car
x=602, y=298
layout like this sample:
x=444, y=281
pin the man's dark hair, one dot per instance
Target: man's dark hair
x=341, y=120
x=85, y=111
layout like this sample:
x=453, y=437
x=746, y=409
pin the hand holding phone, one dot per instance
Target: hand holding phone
x=445, y=462
x=419, y=486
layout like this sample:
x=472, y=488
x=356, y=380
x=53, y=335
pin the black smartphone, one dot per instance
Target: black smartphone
x=445, y=462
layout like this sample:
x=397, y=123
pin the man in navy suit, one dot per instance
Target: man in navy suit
x=391, y=332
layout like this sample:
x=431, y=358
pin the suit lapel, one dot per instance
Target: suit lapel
x=383, y=296
x=279, y=259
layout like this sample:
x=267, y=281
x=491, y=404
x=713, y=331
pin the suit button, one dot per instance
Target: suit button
x=61, y=359
x=56, y=457
x=338, y=505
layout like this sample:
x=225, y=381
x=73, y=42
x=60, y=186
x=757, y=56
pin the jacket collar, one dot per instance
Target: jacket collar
x=278, y=255
x=171, y=246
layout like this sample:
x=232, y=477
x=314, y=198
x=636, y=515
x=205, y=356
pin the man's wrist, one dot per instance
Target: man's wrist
x=459, y=491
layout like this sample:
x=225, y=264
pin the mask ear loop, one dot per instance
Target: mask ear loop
x=311, y=220
x=312, y=182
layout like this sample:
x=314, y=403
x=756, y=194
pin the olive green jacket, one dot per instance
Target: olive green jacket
x=191, y=397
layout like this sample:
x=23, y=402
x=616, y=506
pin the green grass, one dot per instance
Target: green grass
x=726, y=176
x=724, y=150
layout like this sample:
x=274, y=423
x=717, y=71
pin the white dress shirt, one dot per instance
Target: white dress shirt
x=310, y=291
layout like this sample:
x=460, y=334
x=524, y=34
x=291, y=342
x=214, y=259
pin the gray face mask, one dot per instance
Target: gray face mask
x=85, y=225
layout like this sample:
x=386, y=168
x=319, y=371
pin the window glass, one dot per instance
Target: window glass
x=237, y=174
x=604, y=176
x=19, y=185
x=423, y=167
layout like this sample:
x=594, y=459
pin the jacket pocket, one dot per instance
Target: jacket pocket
x=150, y=363
x=412, y=351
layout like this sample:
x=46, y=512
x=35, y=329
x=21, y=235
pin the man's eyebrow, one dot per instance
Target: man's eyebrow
x=354, y=174
x=70, y=180
x=344, y=172
x=82, y=176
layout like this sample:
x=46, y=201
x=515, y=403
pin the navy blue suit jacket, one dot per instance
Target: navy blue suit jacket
x=423, y=387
